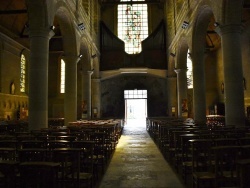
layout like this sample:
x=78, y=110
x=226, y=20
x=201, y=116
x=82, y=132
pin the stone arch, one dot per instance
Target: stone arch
x=40, y=13
x=85, y=52
x=227, y=11
x=197, y=53
x=182, y=54
x=200, y=28
x=68, y=31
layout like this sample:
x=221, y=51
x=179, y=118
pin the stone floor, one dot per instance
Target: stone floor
x=137, y=162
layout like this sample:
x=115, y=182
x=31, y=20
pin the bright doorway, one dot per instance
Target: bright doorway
x=135, y=106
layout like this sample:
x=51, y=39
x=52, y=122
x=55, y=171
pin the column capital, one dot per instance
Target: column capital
x=232, y=28
x=180, y=70
x=41, y=32
x=98, y=80
x=71, y=59
x=90, y=72
x=172, y=78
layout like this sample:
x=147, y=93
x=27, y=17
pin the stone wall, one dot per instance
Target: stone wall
x=13, y=103
x=112, y=94
x=13, y=107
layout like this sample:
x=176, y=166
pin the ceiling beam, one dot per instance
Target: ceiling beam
x=13, y=12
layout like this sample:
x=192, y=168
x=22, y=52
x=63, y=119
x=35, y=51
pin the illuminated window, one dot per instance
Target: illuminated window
x=135, y=94
x=189, y=72
x=132, y=25
x=23, y=73
x=62, y=85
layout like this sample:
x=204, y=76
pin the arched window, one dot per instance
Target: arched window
x=132, y=25
x=23, y=73
x=62, y=77
x=189, y=72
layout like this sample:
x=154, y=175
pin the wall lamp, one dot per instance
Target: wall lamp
x=216, y=24
x=81, y=26
x=172, y=54
x=185, y=25
x=80, y=56
x=93, y=56
x=52, y=28
x=217, y=28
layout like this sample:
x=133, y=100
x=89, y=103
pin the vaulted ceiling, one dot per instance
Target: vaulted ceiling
x=14, y=21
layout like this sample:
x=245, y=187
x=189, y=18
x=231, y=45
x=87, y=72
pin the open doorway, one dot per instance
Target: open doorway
x=135, y=106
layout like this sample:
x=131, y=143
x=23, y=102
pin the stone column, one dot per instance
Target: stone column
x=1, y=60
x=171, y=83
x=70, y=95
x=199, y=88
x=89, y=102
x=85, y=92
x=181, y=90
x=233, y=75
x=38, y=77
x=96, y=93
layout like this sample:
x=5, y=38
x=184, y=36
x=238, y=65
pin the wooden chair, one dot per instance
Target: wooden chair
x=69, y=171
x=186, y=157
x=202, y=163
x=39, y=174
x=163, y=140
x=178, y=148
x=171, y=149
x=226, y=158
x=243, y=166
x=9, y=171
x=100, y=151
x=86, y=162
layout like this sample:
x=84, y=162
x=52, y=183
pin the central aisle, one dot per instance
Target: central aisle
x=137, y=162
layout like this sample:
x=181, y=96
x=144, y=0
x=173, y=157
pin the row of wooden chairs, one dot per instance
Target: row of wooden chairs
x=67, y=165
x=37, y=149
x=221, y=166
x=176, y=142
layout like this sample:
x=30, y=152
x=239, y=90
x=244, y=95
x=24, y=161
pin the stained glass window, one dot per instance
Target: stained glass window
x=23, y=73
x=132, y=25
x=62, y=85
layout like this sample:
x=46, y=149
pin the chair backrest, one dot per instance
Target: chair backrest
x=9, y=144
x=7, y=154
x=52, y=144
x=33, y=154
x=33, y=144
x=226, y=142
